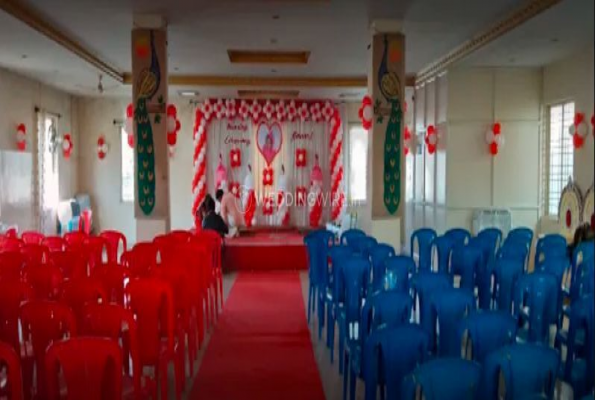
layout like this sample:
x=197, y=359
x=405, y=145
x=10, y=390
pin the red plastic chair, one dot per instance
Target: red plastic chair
x=8, y=243
x=44, y=279
x=166, y=247
x=152, y=303
x=181, y=236
x=95, y=246
x=214, y=276
x=12, y=294
x=75, y=239
x=35, y=253
x=115, y=322
x=43, y=322
x=12, y=387
x=114, y=239
x=113, y=277
x=54, y=243
x=85, y=221
x=11, y=265
x=32, y=237
x=72, y=263
x=91, y=369
x=76, y=293
x=12, y=233
x=141, y=259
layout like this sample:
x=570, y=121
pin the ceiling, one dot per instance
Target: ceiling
x=336, y=32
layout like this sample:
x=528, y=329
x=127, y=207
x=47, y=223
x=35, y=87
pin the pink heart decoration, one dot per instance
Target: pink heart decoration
x=269, y=139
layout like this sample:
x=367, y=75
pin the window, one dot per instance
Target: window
x=358, y=163
x=51, y=195
x=127, y=168
x=560, y=153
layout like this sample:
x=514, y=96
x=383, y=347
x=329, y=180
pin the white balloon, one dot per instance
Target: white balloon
x=433, y=140
x=499, y=139
x=582, y=130
x=571, y=130
x=128, y=126
x=368, y=114
x=490, y=137
x=171, y=124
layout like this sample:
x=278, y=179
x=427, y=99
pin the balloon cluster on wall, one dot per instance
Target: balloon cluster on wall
x=21, y=137
x=67, y=145
x=494, y=138
x=102, y=147
x=366, y=113
x=410, y=142
x=128, y=125
x=579, y=130
x=431, y=139
x=173, y=125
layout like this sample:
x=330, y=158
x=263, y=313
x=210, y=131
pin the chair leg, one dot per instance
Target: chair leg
x=341, y=349
x=345, y=358
x=309, y=301
x=352, y=383
x=321, y=312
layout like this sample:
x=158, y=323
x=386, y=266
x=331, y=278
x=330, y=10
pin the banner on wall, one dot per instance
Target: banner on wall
x=293, y=165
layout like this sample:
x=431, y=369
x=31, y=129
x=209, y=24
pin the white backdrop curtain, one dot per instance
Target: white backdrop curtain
x=225, y=135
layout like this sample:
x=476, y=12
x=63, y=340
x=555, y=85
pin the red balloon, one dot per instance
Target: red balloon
x=21, y=127
x=579, y=118
x=578, y=141
x=172, y=139
x=178, y=125
x=568, y=218
x=171, y=110
x=129, y=111
x=131, y=141
x=494, y=149
x=497, y=128
x=100, y=141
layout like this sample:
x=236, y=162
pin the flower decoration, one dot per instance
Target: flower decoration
x=235, y=158
x=255, y=110
x=292, y=111
x=208, y=109
x=21, y=137
x=280, y=110
x=300, y=158
x=102, y=147
x=303, y=112
x=219, y=109
x=267, y=177
x=244, y=109
x=230, y=108
x=67, y=145
x=327, y=111
x=129, y=124
x=431, y=139
x=268, y=109
x=234, y=188
x=495, y=139
x=301, y=193
x=316, y=112
x=579, y=130
x=173, y=125
x=366, y=113
x=410, y=142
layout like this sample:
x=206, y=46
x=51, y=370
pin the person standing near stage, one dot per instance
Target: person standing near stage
x=210, y=219
x=230, y=211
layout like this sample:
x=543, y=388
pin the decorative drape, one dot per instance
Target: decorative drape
x=47, y=174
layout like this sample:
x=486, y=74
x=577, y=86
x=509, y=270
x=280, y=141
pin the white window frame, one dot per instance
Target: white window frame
x=357, y=202
x=125, y=150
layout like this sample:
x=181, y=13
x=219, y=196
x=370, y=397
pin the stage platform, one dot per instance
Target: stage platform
x=265, y=250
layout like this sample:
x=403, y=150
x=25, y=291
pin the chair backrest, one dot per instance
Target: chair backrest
x=10, y=244
x=441, y=247
x=583, y=281
x=54, y=243
x=444, y=379
x=514, y=249
x=44, y=279
x=524, y=235
x=550, y=245
x=396, y=352
x=451, y=307
x=12, y=388
x=35, y=253
x=75, y=239
x=398, y=269
x=581, y=318
x=113, y=278
x=338, y=255
x=584, y=251
x=140, y=259
x=487, y=331
x=356, y=272
x=526, y=369
x=72, y=262
x=115, y=241
x=181, y=236
x=467, y=261
x=95, y=247
x=385, y=310
x=539, y=292
x=378, y=255
x=362, y=245
x=458, y=236
x=44, y=322
x=76, y=293
x=32, y=237
x=350, y=234
x=493, y=236
x=152, y=303
x=12, y=294
x=507, y=271
x=91, y=368
x=114, y=322
x=423, y=238
x=11, y=265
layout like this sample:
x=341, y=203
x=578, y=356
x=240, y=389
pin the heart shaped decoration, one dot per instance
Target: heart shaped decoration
x=269, y=140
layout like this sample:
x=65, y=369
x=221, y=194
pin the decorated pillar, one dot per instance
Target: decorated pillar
x=386, y=82
x=149, y=93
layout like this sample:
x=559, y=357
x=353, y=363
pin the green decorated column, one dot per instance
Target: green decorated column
x=149, y=97
x=386, y=80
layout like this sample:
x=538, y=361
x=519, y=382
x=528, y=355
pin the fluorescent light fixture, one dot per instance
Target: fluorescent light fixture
x=188, y=93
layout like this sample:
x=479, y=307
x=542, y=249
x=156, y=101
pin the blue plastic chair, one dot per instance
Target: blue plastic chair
x=444, y=379
x=516, y=250
x=338, y=256
x=442, y=248
x=579, y=367
x=492, y=237
x=486, y=331
x=527, y=369
x=552, y=245
x=507, y=271
x=385, y=309
x=424, y=285
x=363, y=245
x=391, y=354
x=378, y=255
x=398, y=269
x=584, y=251
x=537, y=292
x=458, y=236
x=318, y=244
x=523, y=235
x=451, y=307
x=350, y=234
x=467, y=262
x=423, y=238
x=313, y=249
x=558, y=267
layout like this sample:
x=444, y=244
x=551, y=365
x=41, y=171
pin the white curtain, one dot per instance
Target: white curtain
x=47, y=173
x=224, y=135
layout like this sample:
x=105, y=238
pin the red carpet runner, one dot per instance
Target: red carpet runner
x=261, y=347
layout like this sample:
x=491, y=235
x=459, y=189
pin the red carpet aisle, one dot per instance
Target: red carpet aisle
x=261, y=347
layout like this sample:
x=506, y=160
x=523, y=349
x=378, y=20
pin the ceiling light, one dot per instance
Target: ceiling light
x=188, y=93
x=276, y=17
